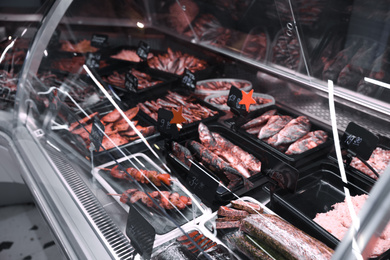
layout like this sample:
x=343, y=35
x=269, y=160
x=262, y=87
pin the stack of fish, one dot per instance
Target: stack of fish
x=288, y=135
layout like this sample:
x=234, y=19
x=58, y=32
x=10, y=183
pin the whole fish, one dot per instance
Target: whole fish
x=273, y=126
x=261, y=120
x=250, y=161
x=215, y=163
x=294, y=130
x=307, y=142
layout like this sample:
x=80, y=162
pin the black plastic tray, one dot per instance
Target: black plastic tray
x=167, y=78
x=268, y=161
x=296, y=160
x=316, y=193
x=186, y=127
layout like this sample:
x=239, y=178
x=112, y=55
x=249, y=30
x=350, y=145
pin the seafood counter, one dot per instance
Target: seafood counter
x=228, y=185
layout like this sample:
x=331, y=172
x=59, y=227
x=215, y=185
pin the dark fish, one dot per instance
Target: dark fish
x=273, y=126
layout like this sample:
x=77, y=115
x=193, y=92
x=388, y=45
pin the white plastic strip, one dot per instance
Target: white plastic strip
x=355, y=221
x=377, y=82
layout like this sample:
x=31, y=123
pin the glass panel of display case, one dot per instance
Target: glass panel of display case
x=171, y=127
x=349, y=47
x=250, y=30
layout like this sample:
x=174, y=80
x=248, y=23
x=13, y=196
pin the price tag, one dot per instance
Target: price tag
x=164, y=126
x=99, y=40
x=234, y=98
x=188, y=80
x=201, y=183
x=93, y=60
x=140, y=232
x=359, y=140
x=143, y=50
x=97, y=133
x=131, y=82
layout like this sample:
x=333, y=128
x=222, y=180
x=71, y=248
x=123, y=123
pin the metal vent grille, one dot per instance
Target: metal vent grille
x=110, y=235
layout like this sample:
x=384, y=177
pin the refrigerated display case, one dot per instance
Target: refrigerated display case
x=130, y=130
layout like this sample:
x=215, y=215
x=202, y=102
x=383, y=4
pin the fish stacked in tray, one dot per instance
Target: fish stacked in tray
x=229, y=158
x=291, y=138
x=148, y=79
x=193, y=109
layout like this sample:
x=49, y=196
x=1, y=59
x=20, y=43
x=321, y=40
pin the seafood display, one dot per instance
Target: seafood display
x=144, y=80
x=192, y=111
x=129, y=55
x=117, y=131
x=379, y=160
x=291, y=136
x=165, y=199
x=220, y=155
x=338, y=220
x=286, y=51
x=140, y=175
x=73, y=65
x=176, y=62
x=221, y=100
x=83, y=46
x=211, y=160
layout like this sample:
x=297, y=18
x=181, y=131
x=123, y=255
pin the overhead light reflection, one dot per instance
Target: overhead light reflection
x=5, y=50
x=140, y=25
x=377, y=82
x=45, y=53
x=9, y=38
x=24, y=31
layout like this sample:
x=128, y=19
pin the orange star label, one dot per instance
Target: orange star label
x=247, y=99
x=178, y=117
